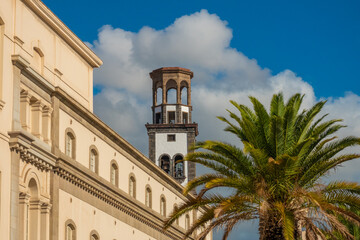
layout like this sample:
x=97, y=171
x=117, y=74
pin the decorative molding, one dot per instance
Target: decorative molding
x=64, y=32
x=20, y=61
x=67, y=103
x=24, y=144
x=18, y=41
x=58, y=73
x=162, y=127
x=77, y=175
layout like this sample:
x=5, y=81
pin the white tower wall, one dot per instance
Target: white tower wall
x=179, y=146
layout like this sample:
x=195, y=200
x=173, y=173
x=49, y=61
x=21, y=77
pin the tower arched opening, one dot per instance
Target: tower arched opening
x=171, y=96
x=165, y=163
x=184, y=90
x=171, y=93
x=184, y=94
x=179, y=167
x=159, y=97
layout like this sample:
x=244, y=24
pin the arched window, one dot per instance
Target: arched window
x=179, y=167
x=38, y=60
x=187, y=222
x=159, y=96
x=70, y=143
x=184, y=93
x=165, y=163
x=114, y=174
x=163, y=206
x=94, y=159
x=132, y=186
x=171, y=94
x=94, y=235
x=32, y=211
x=175, y=209
x=148, y=197
x=70, y=230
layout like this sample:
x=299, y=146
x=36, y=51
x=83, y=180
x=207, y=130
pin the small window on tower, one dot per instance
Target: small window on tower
x=171, y=138
x=158, y=118
x=171, y=117
x=185, y=117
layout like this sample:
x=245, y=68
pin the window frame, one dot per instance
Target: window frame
x=94, y=233
x=162, y=205
x=94, y=150
x=185, y=117
x=162, y=164
x=175, y=209
x=114, y=165
x=72, y=225
x=187, y=222
x=71, y=134
x=171, y=137
x=178, y=155
x=168, y=117
x=132, y=189
x=148, y=196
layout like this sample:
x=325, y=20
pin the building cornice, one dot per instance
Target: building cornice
x=167, y=70
x=163, y=126
x=83, y=178
x=64, y=32
x=31, y=150
x=133, y=154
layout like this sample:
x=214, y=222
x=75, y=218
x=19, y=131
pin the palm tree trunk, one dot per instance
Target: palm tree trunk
x=269, y=228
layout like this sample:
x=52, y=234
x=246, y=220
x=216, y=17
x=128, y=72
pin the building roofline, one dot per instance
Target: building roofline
x=44, y=13
x=172, y=70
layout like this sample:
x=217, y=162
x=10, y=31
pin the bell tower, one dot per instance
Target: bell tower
x=172, y=132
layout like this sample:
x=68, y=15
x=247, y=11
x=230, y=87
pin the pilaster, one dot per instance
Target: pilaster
x=34, y=219
x=23, y=214
x=45, y=221
x=14, y=196
x=46, y=124
x=55, y=122
x=54, y=211
x=36, y=118
x=25, y=113
x=178, y=114
x=19, y=63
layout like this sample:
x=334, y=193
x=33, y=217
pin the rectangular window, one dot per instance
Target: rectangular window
x=171, y=138
x=158, y=118
x=171, y=117
x=185, y=118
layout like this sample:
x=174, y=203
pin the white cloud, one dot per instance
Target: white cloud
x=200, y=42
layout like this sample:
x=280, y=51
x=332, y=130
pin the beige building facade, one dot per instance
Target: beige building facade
x=64, y=174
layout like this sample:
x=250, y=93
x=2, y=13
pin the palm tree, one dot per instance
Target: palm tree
x=276, y=177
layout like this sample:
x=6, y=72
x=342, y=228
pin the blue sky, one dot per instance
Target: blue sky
x=235, y=48
x=318, y=40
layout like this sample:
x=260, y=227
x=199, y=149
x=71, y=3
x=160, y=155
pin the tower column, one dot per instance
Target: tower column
x=178, y=94
x=154, y=95
x=189, y=95
x=164, y=100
